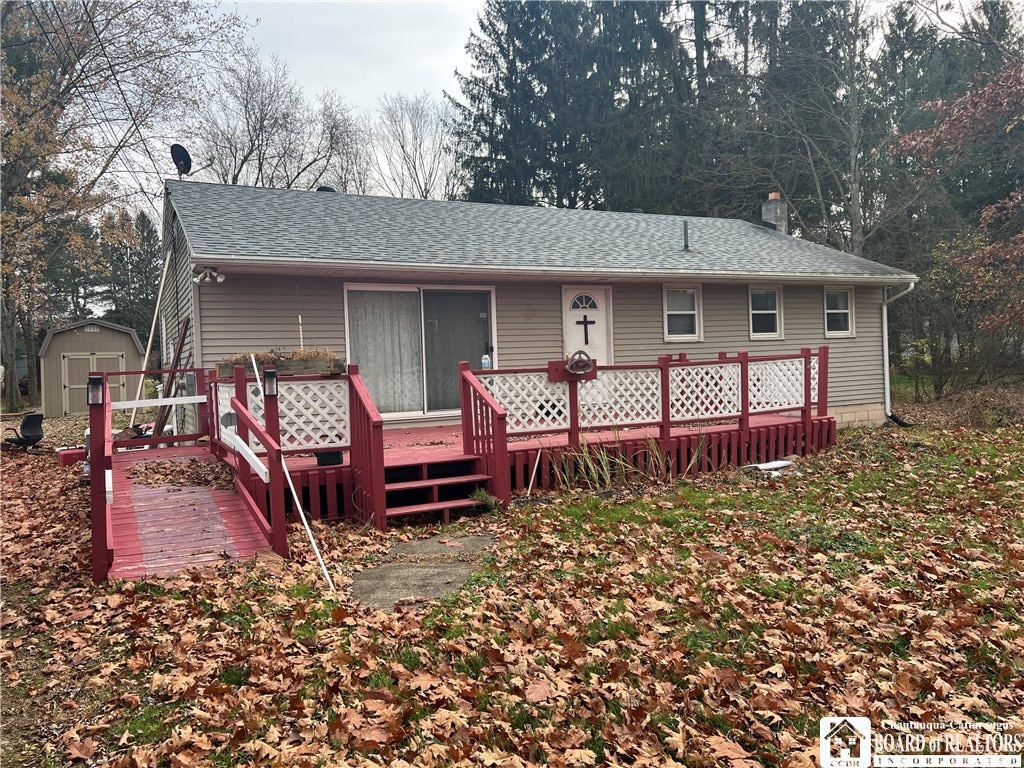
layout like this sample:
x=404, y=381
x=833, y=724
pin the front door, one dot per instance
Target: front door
x=408, y=343
x=586, y=316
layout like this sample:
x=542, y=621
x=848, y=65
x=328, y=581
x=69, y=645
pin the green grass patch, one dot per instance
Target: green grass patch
x=234, y=675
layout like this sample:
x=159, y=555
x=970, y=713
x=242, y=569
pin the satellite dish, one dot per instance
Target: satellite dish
x=182, y=160
x=326, y=189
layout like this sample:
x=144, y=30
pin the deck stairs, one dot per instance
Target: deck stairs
x=439, y=485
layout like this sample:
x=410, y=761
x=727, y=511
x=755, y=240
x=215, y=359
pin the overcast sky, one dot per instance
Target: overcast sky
x=364, y=49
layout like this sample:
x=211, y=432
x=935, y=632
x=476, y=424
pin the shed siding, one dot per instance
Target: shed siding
x=245, y=314
x=855, y=364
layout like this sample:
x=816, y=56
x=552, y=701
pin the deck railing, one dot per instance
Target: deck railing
x=102, y=445
x=484, y=432
x=674, y=392
x=101, y=455
x=367, y=453
x=261, y=485
x=315, y=412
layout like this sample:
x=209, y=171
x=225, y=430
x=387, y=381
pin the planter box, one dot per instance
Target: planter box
x=312, y=367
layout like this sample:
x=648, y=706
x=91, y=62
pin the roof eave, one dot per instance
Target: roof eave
x=319, y=266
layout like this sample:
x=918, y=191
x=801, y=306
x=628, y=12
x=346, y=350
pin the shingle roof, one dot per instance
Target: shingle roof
x=256, y=224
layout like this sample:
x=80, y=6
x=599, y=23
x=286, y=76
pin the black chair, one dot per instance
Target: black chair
x=31, y=432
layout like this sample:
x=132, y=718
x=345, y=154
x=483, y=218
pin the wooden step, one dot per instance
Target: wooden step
x=406, y=461
x=435, y=506
x=410, y=485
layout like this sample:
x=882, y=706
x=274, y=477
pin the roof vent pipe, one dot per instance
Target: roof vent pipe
x=686, y=235
x=774, y=211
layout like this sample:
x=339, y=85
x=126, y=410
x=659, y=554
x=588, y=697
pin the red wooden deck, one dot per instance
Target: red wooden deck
x=163, y=529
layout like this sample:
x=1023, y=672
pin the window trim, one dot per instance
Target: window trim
x=780, y=331
x=849, y=291
x=698, y=312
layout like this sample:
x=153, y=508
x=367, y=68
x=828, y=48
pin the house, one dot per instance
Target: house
x=409, y=288
x=68, y=354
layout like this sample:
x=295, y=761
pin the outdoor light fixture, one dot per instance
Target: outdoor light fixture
x=207, y=276
x=94, y=390
x=269, y=382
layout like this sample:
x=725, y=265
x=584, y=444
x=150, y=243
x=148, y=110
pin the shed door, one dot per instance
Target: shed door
x=75, y=368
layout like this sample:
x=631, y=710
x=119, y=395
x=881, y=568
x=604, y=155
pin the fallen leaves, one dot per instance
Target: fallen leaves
x=190, y=472
x=709, y=623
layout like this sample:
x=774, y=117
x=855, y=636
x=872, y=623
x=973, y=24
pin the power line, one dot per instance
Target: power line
x=107, y=123
x=120, y=89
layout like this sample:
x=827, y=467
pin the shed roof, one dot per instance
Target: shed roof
x=258, y=226
x=91, y=321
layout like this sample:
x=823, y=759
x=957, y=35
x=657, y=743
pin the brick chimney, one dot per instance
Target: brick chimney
x=774, y=211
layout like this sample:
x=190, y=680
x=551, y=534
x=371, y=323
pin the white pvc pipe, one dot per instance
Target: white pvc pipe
x=295, y=494
x=152, y=327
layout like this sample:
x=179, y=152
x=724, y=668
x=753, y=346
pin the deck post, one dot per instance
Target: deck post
x=574, y=414
x=203, y=408
x=242, y=394
x=97, y=483
x=805, y=353
x=466, y=406
x=666, y=401
x=500, y=478
x=744, y=360
x=272, y=421
x=823, y=381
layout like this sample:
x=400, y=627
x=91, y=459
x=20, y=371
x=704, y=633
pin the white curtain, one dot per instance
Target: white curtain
x=387, y=344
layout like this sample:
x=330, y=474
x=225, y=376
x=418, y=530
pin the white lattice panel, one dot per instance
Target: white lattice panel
x=704, y=391
x=226, y=430
x=621, y=397
x=530, y=400
x=776, y=384
x=314, y=413
x=814, y=379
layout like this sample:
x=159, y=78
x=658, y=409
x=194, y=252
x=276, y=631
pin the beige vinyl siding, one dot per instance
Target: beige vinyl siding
x=529, y=319
x=855, y=364
x=248, y=313
x=177, y=301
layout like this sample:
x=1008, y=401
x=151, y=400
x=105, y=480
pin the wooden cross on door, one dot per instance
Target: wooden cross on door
x=586, y=323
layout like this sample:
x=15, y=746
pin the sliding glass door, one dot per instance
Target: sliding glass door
x=456, y=327
x=408, y=343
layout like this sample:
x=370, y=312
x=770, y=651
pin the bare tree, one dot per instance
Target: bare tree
x=355, y=174
x=261, y=130
x=87, y=88
x=412, y=152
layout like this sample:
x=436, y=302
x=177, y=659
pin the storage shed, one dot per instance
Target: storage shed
x=68, y=354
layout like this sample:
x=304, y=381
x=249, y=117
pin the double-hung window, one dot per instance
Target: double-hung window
x=766, y=312
x=839, y=312
x=682, y=310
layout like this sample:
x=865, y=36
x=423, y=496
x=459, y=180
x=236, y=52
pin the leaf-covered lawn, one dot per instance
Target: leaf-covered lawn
x=707, y=623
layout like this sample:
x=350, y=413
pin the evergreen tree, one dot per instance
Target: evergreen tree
x=133, y=278
x=499, y=126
